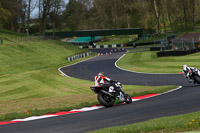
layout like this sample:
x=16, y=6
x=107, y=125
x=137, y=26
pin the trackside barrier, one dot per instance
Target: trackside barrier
x=98, y=46
x=114, y=46
x=79, y=56
x=106, y=46
x=177, y=53
x=110, y=51
x=121, y=45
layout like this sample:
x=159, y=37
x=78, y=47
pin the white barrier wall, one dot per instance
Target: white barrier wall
x=79, y=56
x=105, y=46
x=114, y=46
x=97, y=46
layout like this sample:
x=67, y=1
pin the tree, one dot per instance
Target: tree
x=22, y=16
x=169, y=12
x=30, y=5
x=102, y=14
x=57, y=7
x=74, y=14
x=44, y=9
x=184, y=6
x=154, y=7
x=5, y=15
x=193, y=12
x=13, y=6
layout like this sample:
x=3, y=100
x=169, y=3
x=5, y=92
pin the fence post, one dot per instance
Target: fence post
x=193, y=42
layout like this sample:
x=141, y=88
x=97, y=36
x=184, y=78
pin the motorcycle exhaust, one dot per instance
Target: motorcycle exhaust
x=106, y=93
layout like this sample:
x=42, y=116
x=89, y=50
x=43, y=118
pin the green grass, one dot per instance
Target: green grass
x=29, y=73
x=173, y=124
x=10, y=37
x=150, y=63
x=150, y=45
x=29, y=79
x=139, y=49
x=8, y=34
x=39, y=55
x=51, y=101
x=115, y=40
x=14, y=38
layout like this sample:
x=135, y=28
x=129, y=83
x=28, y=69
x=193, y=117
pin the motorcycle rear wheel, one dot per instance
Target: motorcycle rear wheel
x=105, y=100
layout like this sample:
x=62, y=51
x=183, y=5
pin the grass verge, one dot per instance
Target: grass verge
x=149, y=62
x=115, y=40
x=43, y=105
x=173, y=124
x=30, y=80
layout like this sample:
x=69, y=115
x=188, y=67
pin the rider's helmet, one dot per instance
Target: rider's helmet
x=101, y=73
x=185, y=69
x=118, y=85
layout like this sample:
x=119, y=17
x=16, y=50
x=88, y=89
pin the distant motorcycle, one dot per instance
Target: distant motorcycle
x=107, y=94
x=192, y=74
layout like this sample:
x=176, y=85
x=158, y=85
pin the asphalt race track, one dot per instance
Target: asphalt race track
x=184, y=100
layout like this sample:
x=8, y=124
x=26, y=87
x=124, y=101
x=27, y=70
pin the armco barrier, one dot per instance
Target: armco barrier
x=79, y=56
x=120, y=45
x=107, y=46
x=177, y=53
x=160, y=48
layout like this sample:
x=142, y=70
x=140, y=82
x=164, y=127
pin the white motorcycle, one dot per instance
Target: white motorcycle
x=108, y=94
x=193, y=74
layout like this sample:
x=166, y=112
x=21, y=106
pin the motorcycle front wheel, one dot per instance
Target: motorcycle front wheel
x=128, y=98
x=105, y=100
x=197, y=79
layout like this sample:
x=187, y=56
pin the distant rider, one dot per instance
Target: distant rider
x=188, y=70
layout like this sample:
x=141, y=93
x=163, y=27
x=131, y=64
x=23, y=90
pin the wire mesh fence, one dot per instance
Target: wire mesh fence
x=184, y=44
x=180, y=44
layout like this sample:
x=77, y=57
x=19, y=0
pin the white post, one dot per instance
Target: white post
x=27, y=32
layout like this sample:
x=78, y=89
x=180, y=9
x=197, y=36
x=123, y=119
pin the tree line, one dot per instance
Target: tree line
x=158, y=15
x=16, y=15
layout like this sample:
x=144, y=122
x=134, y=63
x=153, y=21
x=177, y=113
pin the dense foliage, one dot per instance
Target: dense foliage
x=159, y=15
x=167, y=15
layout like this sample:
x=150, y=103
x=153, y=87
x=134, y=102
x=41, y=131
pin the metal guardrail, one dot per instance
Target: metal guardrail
x=79, y=56
x=106, y=46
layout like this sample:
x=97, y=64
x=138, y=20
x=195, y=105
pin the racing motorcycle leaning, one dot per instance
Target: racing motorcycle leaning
x=108, y=93
x=193, y=74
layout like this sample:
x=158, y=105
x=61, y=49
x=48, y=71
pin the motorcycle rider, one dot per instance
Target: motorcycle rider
x=102, y=80
x=188, y=70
